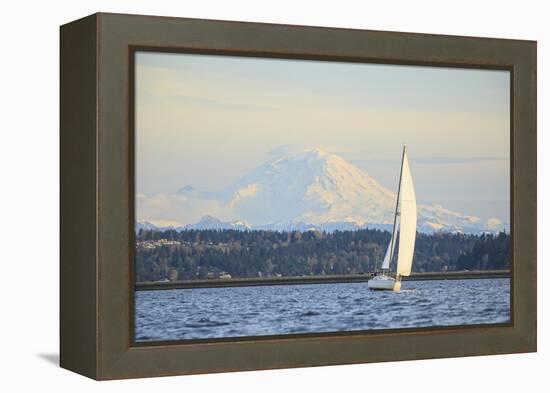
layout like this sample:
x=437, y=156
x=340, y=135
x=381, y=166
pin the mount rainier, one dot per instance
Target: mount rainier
x=314, y=189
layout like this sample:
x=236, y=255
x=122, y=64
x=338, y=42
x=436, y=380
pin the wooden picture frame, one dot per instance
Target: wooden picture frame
x=97, y=223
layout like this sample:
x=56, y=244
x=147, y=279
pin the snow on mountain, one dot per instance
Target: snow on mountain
x=206, y=222
x=314, y=189
x=209, y=222
x=145, y=225
x=156, y=225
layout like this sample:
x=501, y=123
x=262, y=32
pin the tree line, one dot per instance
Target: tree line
x=199, y=254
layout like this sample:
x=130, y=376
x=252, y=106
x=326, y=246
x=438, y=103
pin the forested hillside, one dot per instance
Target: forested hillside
x=200, y=254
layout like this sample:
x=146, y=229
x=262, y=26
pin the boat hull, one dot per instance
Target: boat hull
x=384, y=283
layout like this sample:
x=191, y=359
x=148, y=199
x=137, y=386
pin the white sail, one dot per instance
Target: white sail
x=407, y=232
x=389, y=252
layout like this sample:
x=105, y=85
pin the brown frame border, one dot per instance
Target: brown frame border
x=97, y=195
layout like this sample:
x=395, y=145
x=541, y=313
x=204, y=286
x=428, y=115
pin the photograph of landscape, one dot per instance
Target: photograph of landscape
x=284, y=196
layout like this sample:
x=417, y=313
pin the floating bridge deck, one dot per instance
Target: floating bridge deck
x=246, y=282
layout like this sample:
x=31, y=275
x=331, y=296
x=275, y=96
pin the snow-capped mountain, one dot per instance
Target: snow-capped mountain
x=206, y=222
x=145, y=225
x=314, y=189
x=209, y=222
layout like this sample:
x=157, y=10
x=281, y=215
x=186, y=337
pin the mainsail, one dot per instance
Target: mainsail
x=407, y=230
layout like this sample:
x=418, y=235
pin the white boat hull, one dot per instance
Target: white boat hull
x=384, y=283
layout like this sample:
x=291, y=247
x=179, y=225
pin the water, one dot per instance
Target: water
x=181, y=314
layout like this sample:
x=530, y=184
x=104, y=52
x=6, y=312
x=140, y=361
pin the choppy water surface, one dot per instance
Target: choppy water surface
x=181, y=314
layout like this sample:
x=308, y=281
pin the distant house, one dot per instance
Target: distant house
x=214, y=272
x=173, y=275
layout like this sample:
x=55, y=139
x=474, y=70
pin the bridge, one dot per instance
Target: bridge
x=247, y=282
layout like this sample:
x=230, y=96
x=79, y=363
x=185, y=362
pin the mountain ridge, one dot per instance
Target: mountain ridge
x=315, y=189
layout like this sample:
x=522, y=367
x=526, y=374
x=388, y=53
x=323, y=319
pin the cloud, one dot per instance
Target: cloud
x=177, y=208
x=455, y=160
x=427, y=160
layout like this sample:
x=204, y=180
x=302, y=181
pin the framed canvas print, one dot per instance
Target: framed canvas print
x=241, y=196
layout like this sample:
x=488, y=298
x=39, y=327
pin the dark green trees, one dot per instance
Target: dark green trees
x=209, y=253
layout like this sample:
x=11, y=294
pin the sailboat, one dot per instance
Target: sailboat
x=405, y=209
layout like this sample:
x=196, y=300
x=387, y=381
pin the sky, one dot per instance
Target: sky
x=206, y=120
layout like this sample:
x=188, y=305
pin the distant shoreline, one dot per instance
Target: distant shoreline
x=247, y=282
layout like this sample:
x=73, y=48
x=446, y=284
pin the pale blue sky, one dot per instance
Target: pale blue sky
x=206, y=120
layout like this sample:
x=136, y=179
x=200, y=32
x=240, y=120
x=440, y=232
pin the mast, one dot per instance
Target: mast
x=397, y=205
